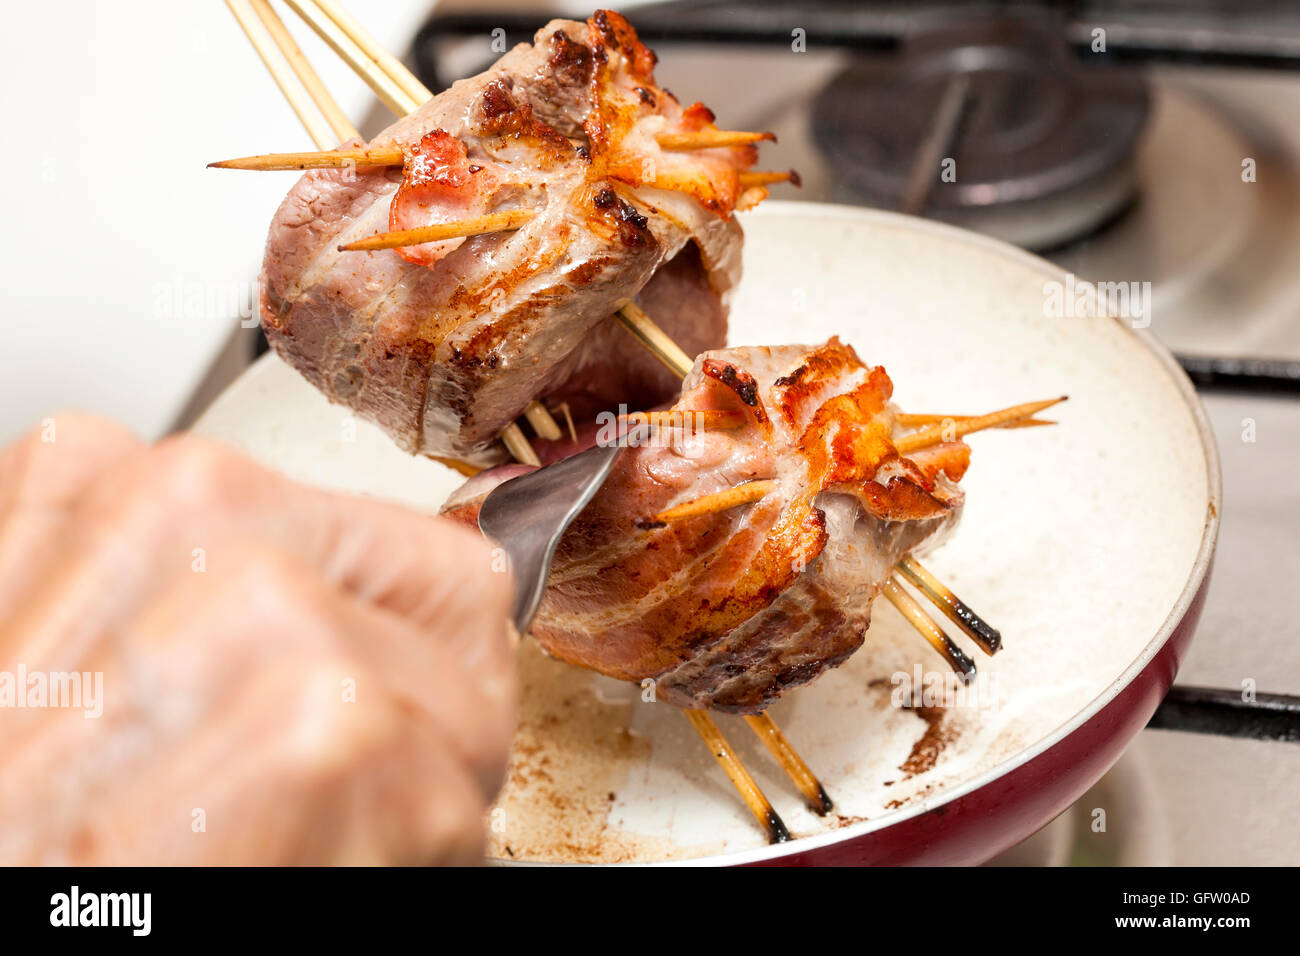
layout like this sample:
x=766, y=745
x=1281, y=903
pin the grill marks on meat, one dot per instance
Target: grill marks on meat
x=726, y=611
x=445, y=343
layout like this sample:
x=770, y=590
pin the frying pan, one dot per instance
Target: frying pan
x=1088, y=545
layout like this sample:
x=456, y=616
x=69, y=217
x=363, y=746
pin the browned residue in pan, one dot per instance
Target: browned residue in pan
x=896, y=804
x=925, y=752
x=571, y=755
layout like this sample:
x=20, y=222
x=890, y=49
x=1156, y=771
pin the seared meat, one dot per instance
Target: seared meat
x=445, y=343
x=727, y=610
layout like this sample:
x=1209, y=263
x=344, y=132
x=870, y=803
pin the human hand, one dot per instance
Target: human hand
x=285, y=675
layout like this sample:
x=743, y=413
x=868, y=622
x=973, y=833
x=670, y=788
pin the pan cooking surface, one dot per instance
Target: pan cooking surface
x=1076, y=542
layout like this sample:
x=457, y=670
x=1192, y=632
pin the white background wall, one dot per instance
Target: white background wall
x=123, y=261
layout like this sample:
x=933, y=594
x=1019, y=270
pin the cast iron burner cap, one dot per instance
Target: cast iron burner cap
x=1043, y=146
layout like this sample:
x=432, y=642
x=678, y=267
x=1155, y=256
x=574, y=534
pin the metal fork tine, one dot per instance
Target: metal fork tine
x=528, y=514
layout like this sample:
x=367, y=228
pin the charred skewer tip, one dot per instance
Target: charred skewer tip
x=814, y=794
x=775, y=828
x=763, y=178
x=754, y=798
x=954, y=608
x=957, y=659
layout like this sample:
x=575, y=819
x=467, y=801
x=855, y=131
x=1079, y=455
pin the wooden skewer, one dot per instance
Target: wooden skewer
x=913, y=420
x=393, y=156
x=317, y=129
x=933, y=434
x=703, y=420
x=814, y=794
x=741, y=494
x=931, y=631
x=460, y=228
x=512, y=436
x=649, y=334
x=403, y=93
x=568, y=420
x=632, y=316
x=411, y=95
x=754, y=798
x=668, y=352
x=393, y=96
x=760, y=178
x=464, y=467
x=311, y=81
x=711, y=139
x=542, y=422
x=280, y=39
x=953, y=607
x=328, y=159
x=392, y=66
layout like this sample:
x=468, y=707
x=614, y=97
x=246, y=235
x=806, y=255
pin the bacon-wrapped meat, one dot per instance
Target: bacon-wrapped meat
x=726, y=610
x=443, y=344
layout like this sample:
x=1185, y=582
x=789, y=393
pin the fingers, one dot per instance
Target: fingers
x=383, y=553
x=353, y=740
x=264, y=593
x=231, y=612
x=43, y=477
x=157, y=515
x=366, y=729
x=440, y=576
x=55, y=461
x=287, y=776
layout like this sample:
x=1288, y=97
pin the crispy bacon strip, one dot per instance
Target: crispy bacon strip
x=731, y=564
x=630, y=112
x=848, y=438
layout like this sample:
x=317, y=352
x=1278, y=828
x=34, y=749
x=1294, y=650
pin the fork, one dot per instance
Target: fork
x=528, y=514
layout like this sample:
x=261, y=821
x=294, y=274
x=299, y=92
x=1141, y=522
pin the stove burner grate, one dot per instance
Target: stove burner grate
x=991, y=124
